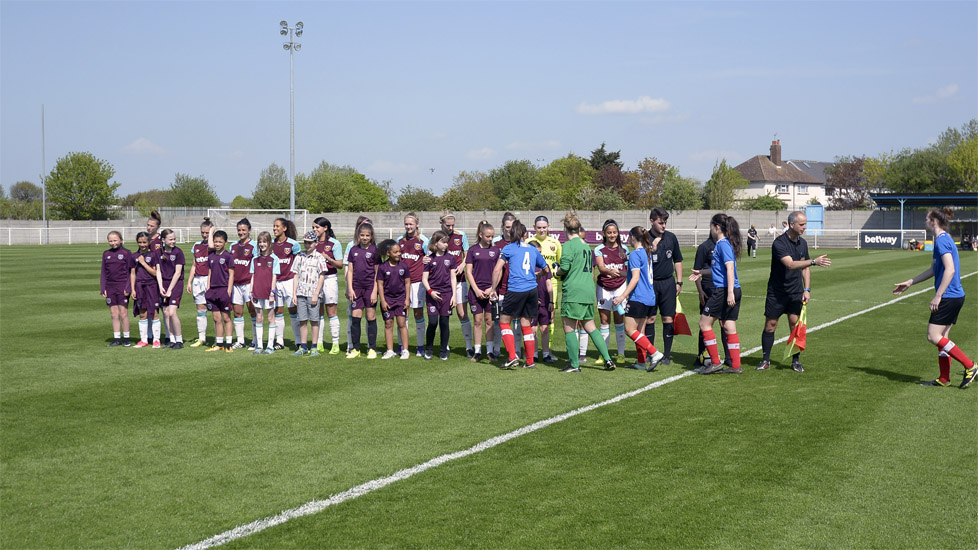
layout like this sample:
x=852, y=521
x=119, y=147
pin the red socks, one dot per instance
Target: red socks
x=710, y=339
x=954, y=351
x=529, y=343
x=944, y=360
x=733, y=345
x=508, y=340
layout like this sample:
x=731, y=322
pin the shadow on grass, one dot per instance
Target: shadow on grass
x=894, y=376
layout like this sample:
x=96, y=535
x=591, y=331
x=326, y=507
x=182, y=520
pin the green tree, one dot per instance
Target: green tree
x=850, y=190
x=25, y=191
x=593, y=198
x=680, y=193
x=273, y=190
x=763, y=202
x=79, y=189
x=963, y=162
x=601, y=158
x=417, y=199
x=367, y=195
x=192, y=192
x=565, y=178
x=147, y=201
x=547, y=199
x=720, y=190
x=475, y=186
x=242, y=202
x=455, y=199
x=515, y=183
x=651, y=175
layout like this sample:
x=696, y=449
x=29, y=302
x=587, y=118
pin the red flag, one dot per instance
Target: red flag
x=679, y=324
x=796, y=341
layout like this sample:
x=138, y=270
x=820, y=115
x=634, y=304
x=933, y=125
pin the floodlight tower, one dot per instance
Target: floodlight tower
x=291, y=46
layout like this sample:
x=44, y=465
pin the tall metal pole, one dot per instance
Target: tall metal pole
x=44, y=179
x=291, y=129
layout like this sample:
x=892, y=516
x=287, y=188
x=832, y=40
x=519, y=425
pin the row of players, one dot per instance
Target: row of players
x=276, y=274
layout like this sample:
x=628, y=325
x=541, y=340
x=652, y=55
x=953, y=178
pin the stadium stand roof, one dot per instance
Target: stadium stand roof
x=924, y=200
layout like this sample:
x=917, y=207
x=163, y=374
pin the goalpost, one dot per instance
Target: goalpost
x=261, y=219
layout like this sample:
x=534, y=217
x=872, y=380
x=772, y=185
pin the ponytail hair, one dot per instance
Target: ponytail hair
x=206, y=223
x=572, y=224
x=154, y=215
x=383, y=249
x=244, y=222
x=164, y=234
x=604, y=227
x=483, y=225
x=290, y=231
x=941, y=216
x=641, y=235
x=417, y=223
x=731, y=230
x=114, y=232
x=518, y=232
x=323, y=222
x=369, y=227
x=507, y=217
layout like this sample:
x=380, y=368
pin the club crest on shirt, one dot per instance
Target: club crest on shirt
x=432, y=308
x=417, y=246
x=400, y=272
x=669, y=254
x=222, y=261
x=457, y=241
x=369, y=254
x=173, y=257
x=120, y=256
x=492, y=253
x=553, y=248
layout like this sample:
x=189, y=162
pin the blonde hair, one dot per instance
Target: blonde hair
x=572, y=224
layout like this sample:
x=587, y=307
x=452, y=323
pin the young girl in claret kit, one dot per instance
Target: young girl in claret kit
x=610, y=258
x=361, y=290
x=197, y=282
x=116, y=263
x=393, y=280
x=169, y=278
x=142, y=278
x=264, y=278
x=219, y=289
x=479, y=263
x=285, y=247
x=243, y=252
x=438, y=281
x=331, y=249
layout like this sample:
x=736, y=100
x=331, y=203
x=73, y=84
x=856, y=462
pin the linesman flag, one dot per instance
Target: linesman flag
x=796, y=341
x=679, y=324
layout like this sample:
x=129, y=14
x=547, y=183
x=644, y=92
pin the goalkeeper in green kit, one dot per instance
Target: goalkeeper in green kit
x=577, y=294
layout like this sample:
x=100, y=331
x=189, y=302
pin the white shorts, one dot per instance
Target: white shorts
x=605, y=297
x=417, y=295
x=461, y=292
x=331, y=290
x=283, y=293
x=264, y=305
x=199, y=287
x=240, y=295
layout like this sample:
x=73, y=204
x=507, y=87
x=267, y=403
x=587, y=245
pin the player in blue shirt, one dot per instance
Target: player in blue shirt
x=724, y=303
x=521, y=298
x=947, y=302
x=640, y=295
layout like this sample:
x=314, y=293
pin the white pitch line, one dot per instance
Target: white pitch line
x=317, y=506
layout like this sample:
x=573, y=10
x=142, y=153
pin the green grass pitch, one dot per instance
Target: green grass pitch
x=115, y=448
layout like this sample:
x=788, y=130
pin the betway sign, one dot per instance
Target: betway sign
x=870, y=239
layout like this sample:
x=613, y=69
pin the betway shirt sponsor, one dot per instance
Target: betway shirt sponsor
x=413, y=251
x=201, y=252
x=458, y=243
x=243, y=253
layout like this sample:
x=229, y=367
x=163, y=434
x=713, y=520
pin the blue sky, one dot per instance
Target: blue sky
x=397, y=88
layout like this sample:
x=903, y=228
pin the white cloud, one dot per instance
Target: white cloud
x=714, y=155
x=388, y=167
x=946, y=92
x=144, y=146
x=546, y=145
x=644, y=104
x=480, y=154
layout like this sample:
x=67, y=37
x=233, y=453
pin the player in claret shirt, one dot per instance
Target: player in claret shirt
x=285, y=247
x=219, y=289
x=479, y=263
x=152, y=229
x=243, y=252
x=331, y=249
x=116, y=286
x=393, y=279
x=142, y=277
x=439, y=282
x=264, y=278
x=169, y=278
x=361, y=290
x=414, y=246
x=197, y=283
x=500, y=241
x=458, y=245
x=610, y=258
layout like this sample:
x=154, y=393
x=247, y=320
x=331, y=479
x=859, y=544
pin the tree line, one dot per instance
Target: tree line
x=79, y=185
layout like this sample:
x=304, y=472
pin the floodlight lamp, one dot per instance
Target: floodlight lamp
x=286, y=46
x=298, y=32
x=298, y=25
x=283, y=23
x=283, y=32
x=298, y=46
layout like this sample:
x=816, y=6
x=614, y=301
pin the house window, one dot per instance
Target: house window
x=802, y=188
x=783, y=188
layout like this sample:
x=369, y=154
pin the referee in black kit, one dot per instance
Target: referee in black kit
x=789, y=286
x=667, y=260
